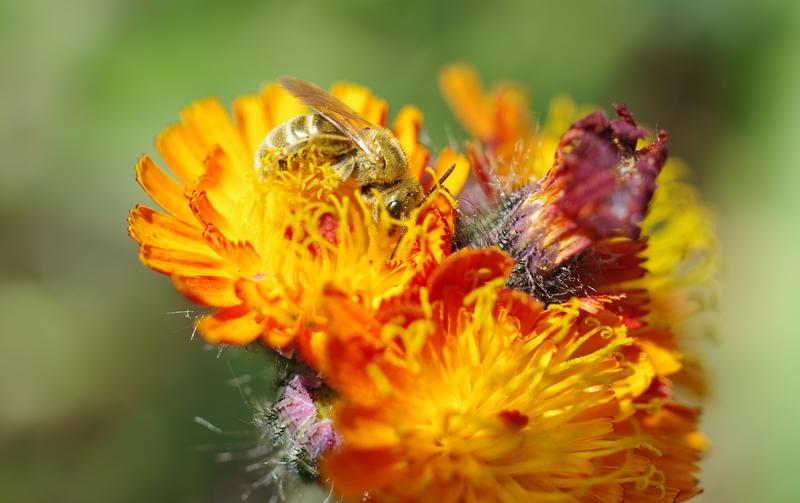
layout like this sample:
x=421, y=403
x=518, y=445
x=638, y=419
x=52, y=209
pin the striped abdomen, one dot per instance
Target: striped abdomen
x=298, y=133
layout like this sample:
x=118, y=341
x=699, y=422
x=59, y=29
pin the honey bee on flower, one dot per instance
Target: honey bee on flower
x=518, y=340
x=368, y=154
x=259, y=251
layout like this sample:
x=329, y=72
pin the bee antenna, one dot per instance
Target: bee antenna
x=430, y=191
x=441, y=181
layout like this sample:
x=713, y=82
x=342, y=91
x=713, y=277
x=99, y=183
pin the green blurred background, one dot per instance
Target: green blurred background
x=99, y=385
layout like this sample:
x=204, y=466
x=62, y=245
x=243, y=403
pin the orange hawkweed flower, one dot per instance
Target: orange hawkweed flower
x=536, y=363
x=259, y=251
x=463, y=390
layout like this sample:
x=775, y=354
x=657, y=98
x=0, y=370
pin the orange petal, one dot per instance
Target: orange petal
x=354, y=471
x=231, y=325
x=417, y=162
x=642, y=376
x=149, y=227
x=162, y=189
x=484, y=167
x=279, y=337
x=440, y=223
x=511, y=115
x=406, y=128
x=463, y=91
x=521, y=306
x=212, y=291
x=228, y=189
x=365, y=427
x=673, y=430
x=353, y=345
x=456, y=180
x=377, y=112
x=467, y=270
x=615, y=260
x=210, y=125
x=692, y=377
x=362, y=101
x=280, y=326
x=251, y=121
x=180, y=262
x=279, y=105
x=208, y=214
x=182, y=153
x=311, y=346
x=240, y=254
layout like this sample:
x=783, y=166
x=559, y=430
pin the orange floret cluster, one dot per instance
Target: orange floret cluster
x=458, y=371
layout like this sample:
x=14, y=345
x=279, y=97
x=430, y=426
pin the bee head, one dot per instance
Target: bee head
x=398, y=198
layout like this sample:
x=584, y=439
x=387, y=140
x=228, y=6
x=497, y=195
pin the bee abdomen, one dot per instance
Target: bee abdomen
x=296, y=134
x=297, y=130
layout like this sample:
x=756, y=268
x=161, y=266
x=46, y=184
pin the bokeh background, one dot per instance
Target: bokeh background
x=100, y=385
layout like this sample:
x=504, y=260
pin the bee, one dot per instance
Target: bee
x=359, y=151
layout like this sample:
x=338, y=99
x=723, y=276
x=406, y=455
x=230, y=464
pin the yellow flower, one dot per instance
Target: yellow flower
x=259, y=251
x=462, y=390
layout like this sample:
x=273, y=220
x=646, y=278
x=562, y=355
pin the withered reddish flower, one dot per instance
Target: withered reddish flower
x=575, y=232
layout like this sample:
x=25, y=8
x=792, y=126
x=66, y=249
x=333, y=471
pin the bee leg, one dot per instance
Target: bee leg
x=344, y=166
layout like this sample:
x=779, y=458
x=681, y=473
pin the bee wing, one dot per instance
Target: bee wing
x=346, y=120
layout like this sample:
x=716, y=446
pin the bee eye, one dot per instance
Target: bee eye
x=395, y=209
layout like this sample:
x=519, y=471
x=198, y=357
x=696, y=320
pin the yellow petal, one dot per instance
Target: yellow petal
x=251, y=120
x=279, y=105
x=362, y=101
